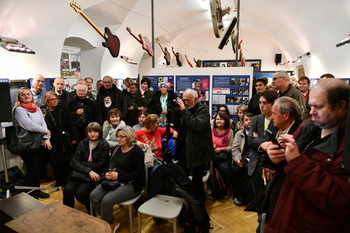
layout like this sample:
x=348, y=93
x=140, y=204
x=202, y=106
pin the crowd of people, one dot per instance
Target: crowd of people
x=102, y=132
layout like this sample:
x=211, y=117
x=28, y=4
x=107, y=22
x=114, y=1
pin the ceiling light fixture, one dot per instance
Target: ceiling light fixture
x=13, y=45
x=344, y=42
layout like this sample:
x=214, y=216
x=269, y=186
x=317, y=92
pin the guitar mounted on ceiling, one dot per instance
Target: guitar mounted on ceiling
x=178, y=57
x=216, y=16
x=146, y=45
x=228, y=33
x=165, y=52
x=188, y=61
x=112, y=42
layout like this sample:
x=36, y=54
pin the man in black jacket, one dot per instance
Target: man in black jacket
x=194, y=145
x=108, y=97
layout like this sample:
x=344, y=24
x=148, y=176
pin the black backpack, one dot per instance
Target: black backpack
x=188, y=221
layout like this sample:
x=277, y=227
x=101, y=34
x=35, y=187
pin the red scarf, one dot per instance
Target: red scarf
x=225, y=135
x=30, y=107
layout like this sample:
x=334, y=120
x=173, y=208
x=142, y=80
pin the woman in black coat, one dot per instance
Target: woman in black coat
x=90, y=159
x=63, y=135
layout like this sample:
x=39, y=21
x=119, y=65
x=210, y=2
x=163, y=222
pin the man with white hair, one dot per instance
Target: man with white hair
x=37, y=89
x=58, y=88
x=282, y=83
x=194, y=147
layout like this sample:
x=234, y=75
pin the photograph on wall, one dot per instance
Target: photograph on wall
x=231, y=90
x=200, y=83
x=156, y=80
x=70, y=62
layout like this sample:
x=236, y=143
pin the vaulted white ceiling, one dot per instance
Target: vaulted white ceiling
x=291, y=28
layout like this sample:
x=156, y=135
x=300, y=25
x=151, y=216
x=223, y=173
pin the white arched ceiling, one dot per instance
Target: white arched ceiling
x=267, y=27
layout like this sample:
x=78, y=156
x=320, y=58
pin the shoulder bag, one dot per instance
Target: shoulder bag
x=149, y=156
x=19, y=140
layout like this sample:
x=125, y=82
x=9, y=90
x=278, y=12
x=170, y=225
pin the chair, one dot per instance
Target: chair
x=131, y=202
x=161, y=206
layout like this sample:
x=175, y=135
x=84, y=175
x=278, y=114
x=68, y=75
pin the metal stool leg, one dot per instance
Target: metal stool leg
x=139, y=222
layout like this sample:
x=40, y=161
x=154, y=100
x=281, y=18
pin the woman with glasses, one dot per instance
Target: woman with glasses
x=128, y=162
x=63, y=135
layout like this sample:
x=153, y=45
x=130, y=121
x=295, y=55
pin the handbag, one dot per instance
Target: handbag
x=110, y=185
x=149, y=156
x=221, y=156
x=19, y=140
x=80, y=176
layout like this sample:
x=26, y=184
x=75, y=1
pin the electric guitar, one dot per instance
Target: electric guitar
x=165, y=52
x=112, y=42
x=146, y=45
x=188, y=61
x=178, y=57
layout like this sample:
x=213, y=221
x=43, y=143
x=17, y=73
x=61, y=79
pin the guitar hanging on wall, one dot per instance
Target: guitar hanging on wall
x=112, y=42
x=165, y=52
x=178, y=57
x=146, y=45
x=188, y=61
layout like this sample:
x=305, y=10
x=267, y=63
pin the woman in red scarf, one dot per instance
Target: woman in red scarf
x=223, y=136
x=30, y=117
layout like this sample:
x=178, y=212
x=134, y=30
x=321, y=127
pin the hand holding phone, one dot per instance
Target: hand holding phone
x=272, y=138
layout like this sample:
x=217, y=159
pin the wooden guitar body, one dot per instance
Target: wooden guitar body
x=112, y=42
x=178, y=57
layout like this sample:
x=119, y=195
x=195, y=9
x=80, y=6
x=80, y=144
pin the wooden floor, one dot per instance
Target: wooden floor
x=225, y=216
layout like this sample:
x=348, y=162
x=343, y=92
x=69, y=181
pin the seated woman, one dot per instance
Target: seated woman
x=141, y=116
x=91, y=157
x=238, y=123
x=129, y=163
x=111, y=125
x=223, y=137
x=152, y=135
x=224, y=108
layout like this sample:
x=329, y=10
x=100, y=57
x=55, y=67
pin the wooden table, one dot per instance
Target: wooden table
x=56, y=217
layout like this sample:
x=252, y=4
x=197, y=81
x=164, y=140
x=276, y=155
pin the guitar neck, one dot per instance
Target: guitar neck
x=92, y=24
x=160, y=45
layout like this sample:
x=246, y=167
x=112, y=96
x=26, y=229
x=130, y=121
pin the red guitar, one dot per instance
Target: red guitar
x=146, y=45
x=112, y=42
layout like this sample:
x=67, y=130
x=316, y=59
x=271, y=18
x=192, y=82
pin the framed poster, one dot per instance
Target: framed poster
x=231, y=90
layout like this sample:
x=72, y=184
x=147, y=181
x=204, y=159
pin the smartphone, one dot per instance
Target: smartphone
x=272, y=137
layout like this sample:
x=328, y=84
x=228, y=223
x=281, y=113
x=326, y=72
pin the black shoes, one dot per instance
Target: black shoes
x=46, y=178
x=39, y=194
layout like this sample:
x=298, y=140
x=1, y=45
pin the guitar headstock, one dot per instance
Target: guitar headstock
x=128, y=29
x=75, y=7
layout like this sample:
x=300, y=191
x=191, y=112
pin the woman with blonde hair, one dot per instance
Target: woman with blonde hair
x=30, y=118
x=128, y=161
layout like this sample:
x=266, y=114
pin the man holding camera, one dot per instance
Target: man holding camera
x=194, y=145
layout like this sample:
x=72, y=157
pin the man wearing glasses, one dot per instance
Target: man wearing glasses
x=281, y=83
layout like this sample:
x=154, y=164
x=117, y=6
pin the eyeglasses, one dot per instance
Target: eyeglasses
x=121, y=137
x=53, y=99
x=274, y=79
x=185, y=100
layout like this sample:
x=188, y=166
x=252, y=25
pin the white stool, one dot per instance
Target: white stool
x=161, y=206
